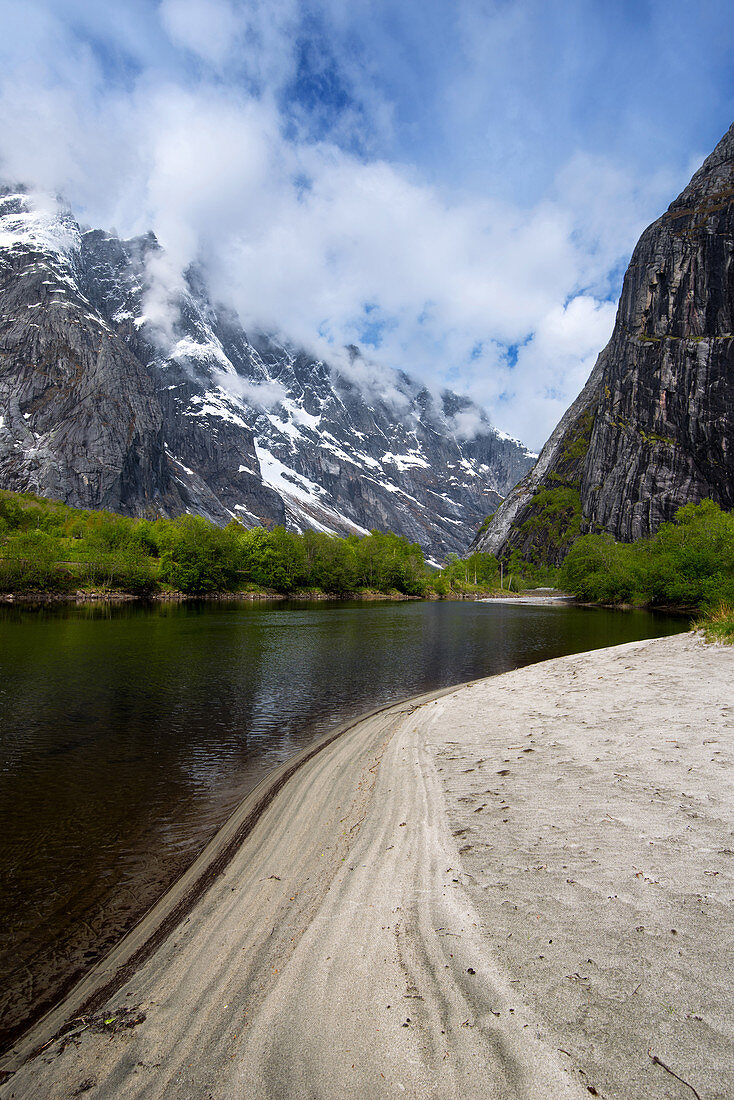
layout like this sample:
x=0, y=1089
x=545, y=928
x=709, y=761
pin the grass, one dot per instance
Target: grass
x=718, y=624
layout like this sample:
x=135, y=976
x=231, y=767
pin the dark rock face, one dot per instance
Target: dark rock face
x=79, y=418
x=99, y=408
x=653, y=427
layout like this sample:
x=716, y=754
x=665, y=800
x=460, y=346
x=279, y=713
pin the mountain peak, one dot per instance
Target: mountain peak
x=101, y=408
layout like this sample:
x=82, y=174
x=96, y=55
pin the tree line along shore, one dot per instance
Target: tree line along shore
x=49, y=548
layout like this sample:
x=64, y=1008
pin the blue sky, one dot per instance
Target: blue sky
x=456, y=184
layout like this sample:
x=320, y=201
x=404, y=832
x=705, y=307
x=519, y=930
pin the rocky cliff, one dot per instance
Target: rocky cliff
x=102, y=409
x=652, y=430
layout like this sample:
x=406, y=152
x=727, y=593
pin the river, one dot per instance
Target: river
x=129, y=733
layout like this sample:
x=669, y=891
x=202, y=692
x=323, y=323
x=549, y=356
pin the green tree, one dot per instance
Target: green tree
x=687, y=563
x=330, y=562
x=196, y=556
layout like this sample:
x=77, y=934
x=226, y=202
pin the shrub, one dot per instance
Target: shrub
x=687, y=563
x=718, y=624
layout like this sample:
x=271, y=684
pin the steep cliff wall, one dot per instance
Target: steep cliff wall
x=79, y=415
x=653, y=428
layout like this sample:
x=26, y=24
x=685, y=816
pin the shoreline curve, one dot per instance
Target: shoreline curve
x=137, y=945
x=520, y=888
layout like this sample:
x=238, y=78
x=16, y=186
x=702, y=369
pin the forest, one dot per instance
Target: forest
x=51, y=548
x=47, y=547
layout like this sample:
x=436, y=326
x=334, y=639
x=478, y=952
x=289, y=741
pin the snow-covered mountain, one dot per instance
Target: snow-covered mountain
x=103, y=404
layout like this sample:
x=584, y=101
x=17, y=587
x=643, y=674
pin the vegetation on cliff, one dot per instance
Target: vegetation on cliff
x=552, y=519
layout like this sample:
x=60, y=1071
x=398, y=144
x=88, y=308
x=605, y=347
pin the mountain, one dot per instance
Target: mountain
x=100, y=407
x=653, y=428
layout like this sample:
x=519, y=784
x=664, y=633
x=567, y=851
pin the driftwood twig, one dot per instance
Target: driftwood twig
x=658, y=1062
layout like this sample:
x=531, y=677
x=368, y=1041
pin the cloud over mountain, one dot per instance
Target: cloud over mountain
x=287, y=148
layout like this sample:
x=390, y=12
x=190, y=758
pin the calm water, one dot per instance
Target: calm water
x=127, y=736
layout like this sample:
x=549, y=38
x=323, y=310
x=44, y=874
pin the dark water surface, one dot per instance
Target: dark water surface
x=128, y=735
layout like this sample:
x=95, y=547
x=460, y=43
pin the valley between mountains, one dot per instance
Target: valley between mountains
x=121, y=391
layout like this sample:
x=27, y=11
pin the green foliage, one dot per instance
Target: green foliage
x=521, y=574
x=687, y=563
x=195, y=556
x=440, y=586
x=48, y=547
x=568, y=464
x=554, y=515
x=331, y=563
x=479, y=572
x=143, y=536
x=553, y=525
x=32, y=565
x=387, y=562
x=718, y=624
x=599, y=570
x=275, y=559
x=576, y=446
x=12, y=514
x=556, y=510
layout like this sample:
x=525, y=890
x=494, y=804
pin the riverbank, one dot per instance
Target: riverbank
x=33, y=599
x=515, y=889
x=81, y=597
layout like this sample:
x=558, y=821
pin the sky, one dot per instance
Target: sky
x=454, y=185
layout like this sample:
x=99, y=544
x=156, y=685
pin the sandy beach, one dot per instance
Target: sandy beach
x=520, y=888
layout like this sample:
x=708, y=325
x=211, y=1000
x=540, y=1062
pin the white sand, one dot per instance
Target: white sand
x=501, y=870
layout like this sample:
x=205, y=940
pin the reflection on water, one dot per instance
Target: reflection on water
x=128, y=734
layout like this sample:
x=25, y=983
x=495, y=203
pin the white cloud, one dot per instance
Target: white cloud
x=254, y=41
x=467, y=423
x=309, y=236
x=263, y=395
x=205, y=27
x=553, y=366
